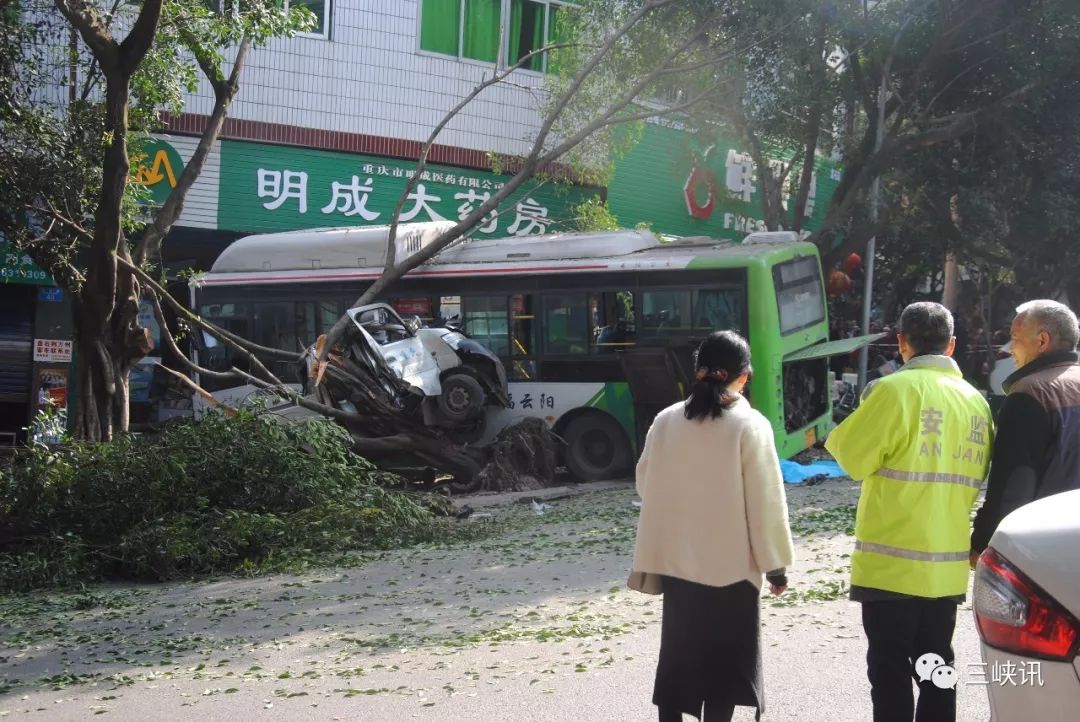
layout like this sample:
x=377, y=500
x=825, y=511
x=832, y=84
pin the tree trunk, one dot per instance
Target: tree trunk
x=107, y=348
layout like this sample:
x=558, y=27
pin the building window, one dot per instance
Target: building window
x=321, y=10
x=532, y=26
x=463, y=28
x=469, y=29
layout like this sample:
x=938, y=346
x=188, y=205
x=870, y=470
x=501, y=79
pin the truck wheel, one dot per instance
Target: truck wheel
x=596, y=448
x=462, y=397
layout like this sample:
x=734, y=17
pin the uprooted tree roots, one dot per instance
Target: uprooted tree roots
x=522, y=458
x=388, y=429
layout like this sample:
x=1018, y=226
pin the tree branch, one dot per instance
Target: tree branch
x=170, y=341
x=240, y=345
x=813, y=127
x=392, y=272
x=138, y=42
x=425, y=151
x=83, y=17
x=224, y=92
x=959, y=124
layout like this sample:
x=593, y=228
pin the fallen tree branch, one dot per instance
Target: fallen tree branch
x=215, y=402
x=171, y=343
x=247, y=348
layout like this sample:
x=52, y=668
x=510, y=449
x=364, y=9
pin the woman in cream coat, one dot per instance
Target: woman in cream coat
x=713, y=522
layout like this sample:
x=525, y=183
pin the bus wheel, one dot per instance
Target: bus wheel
x=596, y=448
x=461, y=398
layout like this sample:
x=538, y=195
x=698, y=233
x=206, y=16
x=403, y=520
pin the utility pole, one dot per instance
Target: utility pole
x=871, y=246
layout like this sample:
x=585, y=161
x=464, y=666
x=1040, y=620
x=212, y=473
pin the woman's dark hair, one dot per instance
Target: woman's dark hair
x=720, y=359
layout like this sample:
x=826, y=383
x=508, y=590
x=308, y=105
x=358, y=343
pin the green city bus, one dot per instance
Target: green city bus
x=596, y=330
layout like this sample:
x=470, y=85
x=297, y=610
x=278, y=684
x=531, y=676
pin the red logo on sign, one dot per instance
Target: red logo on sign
x=696, y=179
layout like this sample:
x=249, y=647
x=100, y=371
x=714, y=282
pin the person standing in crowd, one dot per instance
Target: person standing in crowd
x=920, y=444
x=1037, y=449
x=713, y=521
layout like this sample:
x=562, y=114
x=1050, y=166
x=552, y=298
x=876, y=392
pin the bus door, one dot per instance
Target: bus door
x=656, y=381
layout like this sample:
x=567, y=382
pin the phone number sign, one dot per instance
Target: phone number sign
x=51, y=350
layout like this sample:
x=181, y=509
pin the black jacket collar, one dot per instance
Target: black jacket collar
x=1045, y=361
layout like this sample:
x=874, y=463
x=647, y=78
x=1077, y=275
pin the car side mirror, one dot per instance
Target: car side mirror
x=413, y=323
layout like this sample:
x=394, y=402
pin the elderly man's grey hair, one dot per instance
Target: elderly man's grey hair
x=1056, y=319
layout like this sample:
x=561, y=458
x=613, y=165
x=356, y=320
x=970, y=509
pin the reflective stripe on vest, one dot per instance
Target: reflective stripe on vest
x=931, y=477
x=910, y=553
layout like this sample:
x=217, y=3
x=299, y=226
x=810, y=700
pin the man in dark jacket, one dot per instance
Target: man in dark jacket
x=1037, y=446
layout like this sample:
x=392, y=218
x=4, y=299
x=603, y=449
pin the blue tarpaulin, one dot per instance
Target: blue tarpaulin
x=796, y=473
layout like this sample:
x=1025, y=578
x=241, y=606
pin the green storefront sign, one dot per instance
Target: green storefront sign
x=266, y=188
x=17, y=267
x=679, y=185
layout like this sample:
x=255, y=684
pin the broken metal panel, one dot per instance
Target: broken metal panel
x=839, y=347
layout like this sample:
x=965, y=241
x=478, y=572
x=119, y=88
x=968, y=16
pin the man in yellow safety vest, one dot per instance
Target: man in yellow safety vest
x=920, y=444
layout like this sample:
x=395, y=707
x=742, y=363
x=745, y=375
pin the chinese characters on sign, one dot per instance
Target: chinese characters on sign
x=740, y=173
x=349, y=200
x=276, y=187
x=18, y=267
x=528, y=401
x=48, y=350
x=280, y=186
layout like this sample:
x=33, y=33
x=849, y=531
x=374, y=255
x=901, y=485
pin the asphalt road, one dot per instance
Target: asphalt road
x=532, y=624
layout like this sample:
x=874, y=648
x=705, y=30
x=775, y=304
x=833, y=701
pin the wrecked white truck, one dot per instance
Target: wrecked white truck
x=438, y=373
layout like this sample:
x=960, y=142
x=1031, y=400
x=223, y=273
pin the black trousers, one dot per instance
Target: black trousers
x=899, y=632
x=710, y=713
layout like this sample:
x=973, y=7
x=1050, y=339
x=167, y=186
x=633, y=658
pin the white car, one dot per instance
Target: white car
x=1027, y=603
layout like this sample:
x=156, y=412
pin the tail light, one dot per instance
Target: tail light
x=1013, y=614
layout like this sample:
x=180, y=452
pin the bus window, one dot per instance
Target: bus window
x=281, y=325
x=307, y=322
x=522, y=338
x=486, y=321
x=277, y=326
x=799, y=295
x=664, y=312
x=612, y=321
x=566, y=324
x=328, y=314
x=718, y=309
x=214, y=355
